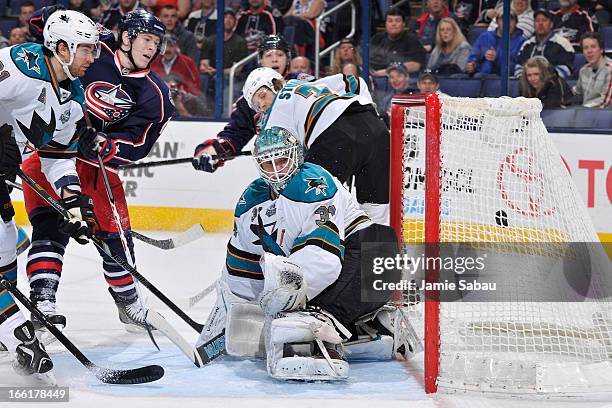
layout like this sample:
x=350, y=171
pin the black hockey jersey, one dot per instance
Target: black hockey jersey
x=132, y=108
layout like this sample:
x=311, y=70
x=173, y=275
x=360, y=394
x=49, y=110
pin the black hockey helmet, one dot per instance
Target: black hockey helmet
x=274, y=42
x=141, y=21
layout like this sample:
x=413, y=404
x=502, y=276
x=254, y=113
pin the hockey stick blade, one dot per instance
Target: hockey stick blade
x=160, y=323
x=106, y=375
x=182, y=160
x=192, y=234
x=212, y=349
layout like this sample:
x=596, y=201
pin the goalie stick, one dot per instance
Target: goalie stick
x=181, y=160
x=106, y=375
x=192, y=234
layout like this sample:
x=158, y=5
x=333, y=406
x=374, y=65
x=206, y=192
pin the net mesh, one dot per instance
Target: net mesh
x=505, y=188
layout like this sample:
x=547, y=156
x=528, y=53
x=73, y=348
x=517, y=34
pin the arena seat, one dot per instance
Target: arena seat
x=461, y=87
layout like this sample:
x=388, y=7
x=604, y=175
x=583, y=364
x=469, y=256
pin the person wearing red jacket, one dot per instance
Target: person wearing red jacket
x=172, y=61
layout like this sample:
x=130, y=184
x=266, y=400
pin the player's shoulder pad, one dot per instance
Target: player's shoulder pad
x=30, y=60
x=256, y=193
x=310, y=185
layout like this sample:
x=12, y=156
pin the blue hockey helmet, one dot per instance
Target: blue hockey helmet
x=274, y=42
x=279, y=155
x=141, y=21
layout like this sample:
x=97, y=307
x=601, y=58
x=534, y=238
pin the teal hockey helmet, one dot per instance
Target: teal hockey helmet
x=279, y=155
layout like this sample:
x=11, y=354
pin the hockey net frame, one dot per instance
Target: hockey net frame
x=545, y=379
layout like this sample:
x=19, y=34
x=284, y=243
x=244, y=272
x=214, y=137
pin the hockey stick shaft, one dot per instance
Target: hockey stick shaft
x=193, y=233
x=135, y=376
x=104, y=248
x=182, y=160
x=126, y=250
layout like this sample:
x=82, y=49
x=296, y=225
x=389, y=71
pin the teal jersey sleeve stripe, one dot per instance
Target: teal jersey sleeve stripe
x=315, y=111
x=326, y=237
x=243, y=264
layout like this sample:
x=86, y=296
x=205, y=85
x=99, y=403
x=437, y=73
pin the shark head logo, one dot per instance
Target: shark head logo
x=319, y=185
x=30, y=59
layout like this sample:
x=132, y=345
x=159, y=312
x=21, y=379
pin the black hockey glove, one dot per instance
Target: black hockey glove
x=80, y=225
x=202, y=157
x=10, y=158
x=92, y=142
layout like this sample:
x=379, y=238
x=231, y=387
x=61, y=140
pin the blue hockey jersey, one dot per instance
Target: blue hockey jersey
x=132, y=108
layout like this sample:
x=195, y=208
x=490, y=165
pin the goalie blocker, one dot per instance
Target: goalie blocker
x=293, y=267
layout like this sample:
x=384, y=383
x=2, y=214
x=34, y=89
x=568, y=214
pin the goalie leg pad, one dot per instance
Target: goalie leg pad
x=296, y=329
x=244, y=333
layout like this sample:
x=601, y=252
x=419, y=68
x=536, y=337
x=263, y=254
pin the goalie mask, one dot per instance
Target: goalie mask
x=278, y=155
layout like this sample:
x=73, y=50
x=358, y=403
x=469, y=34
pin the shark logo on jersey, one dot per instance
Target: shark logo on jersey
x=266, y=239
x=39, y=133
x=107, y=101
x=30, y=58
x=317, y=184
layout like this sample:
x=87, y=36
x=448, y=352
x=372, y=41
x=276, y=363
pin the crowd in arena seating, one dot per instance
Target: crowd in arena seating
x=557, y=47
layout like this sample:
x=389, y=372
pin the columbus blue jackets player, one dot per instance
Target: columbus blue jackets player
x=40, y=104
x=296, y=245
x=274, y=52
x=131, y=105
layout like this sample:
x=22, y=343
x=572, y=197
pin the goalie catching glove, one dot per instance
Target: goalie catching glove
x=92, y=143
x=82, y=220
x=203, y=156
x=284, y=285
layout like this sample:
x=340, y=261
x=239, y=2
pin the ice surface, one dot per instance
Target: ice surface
x=93, y=325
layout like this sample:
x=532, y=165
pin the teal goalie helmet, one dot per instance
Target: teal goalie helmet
x=278, y=155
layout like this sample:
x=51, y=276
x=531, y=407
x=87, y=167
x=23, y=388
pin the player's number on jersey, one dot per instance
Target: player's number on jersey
x=325, y=213
x=306, y=91
x=3, y=73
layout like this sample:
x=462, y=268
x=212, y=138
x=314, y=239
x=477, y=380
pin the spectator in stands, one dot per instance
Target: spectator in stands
x=571, y=21
x=17, y=36
x=395, y=45
x=257, y=21
x=347, y=53
x=594, y=86
x=602, y=11
x=173, y=61
x=93, y=9
x=301, y=16
x=452, y=50
x=186, y=104
x=183, y=7
x=427, y=25
x=399, y=80
x=539, y=79
x=428, y=82
x=112, y=16
x=186, y=40
x=202, y=22
x=234, y=49
x=26, y=9
x=552, y=46
x=524, y=14
x=487, y=52
x=466, y=12
x=300, y=64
